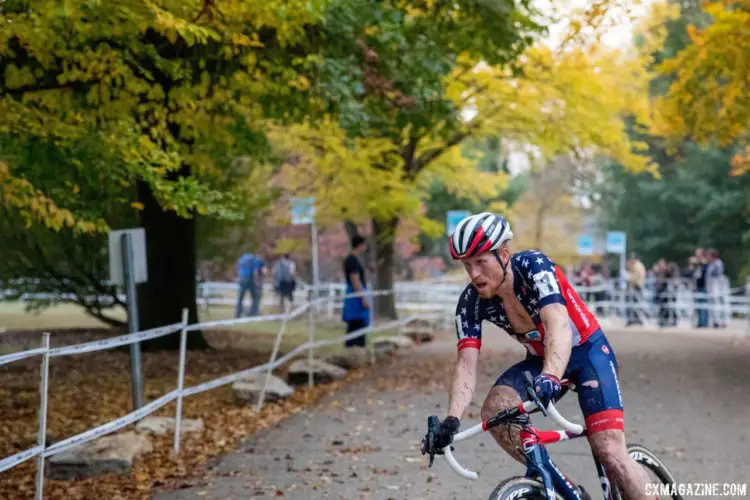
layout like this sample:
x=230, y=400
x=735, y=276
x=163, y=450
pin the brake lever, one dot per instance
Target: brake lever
x=433, y=426
x=532, y=393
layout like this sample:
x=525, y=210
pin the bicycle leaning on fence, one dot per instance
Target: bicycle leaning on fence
x=542, y=480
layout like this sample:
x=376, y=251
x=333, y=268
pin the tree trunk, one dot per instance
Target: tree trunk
x=351, y=229
x=385, y=238
x=171, y=286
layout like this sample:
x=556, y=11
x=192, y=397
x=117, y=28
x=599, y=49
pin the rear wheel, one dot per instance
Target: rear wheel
x=522, y=487
x=657, y=471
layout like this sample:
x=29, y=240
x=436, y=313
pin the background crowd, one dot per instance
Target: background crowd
x=663, y=284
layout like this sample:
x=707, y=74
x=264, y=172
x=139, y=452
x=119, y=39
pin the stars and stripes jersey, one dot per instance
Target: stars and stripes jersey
x=537, y=282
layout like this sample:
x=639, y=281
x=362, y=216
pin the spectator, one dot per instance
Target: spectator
x=715, y=285
x=259, y=275
x=690, y=271
x=636, y=281
x=250, y=280
x=356, y=311
x=661, y=295
x=699, y=277
x=666, y=292
x=244, y=280
x=285, y=279
x=673, y=273
x=597, y=283
x=584, y=279
x=651, y=279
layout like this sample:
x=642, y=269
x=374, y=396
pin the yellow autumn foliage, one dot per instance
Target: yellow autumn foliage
x=158, y=82
x=33, y=205
x=709, y=98
x=572, y=101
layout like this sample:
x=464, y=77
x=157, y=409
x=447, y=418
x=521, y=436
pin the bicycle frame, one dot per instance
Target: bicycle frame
x=538, y=462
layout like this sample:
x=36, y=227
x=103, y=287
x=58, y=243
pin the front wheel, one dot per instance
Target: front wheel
x=515, y=488
x=656, y=467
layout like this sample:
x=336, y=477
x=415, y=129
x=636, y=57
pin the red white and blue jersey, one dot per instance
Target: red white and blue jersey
x=537, y=282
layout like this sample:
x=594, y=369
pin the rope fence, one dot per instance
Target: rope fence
x=41, y=451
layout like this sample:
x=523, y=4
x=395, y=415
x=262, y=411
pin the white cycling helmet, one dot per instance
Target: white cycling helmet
x=477, y=234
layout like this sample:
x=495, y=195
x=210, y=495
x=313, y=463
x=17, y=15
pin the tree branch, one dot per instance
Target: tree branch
x=65, y=285
x=433, y=153
x=407, y=153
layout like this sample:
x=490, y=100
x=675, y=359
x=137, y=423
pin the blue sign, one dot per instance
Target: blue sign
x=453, y=217
x=585, y=244
x=303, y=210
x=616, y=242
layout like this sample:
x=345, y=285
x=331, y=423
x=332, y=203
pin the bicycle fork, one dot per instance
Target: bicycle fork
x=538, y=463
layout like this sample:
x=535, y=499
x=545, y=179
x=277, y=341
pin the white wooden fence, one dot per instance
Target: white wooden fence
x=608, y=299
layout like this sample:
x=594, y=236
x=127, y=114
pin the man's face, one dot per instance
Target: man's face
x=486, y=273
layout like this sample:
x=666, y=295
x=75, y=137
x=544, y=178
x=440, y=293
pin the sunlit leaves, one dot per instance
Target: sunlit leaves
x=574, y=101
x=35, y=207
x=389, y=76
x=155, y=80
x=709, y=99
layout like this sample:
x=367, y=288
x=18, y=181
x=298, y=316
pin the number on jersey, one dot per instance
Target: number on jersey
x=545, y=283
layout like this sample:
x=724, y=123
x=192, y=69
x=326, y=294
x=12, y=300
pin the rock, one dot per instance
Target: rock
x=421, y=330
x=161, y=426
x=248, y=390
x=419, y=335
x=423, y=324
x=384, y=349
x=107, y=455
x=322, y=372
x=350, y=358
x=397, y=341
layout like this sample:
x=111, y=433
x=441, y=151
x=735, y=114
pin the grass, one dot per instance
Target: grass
x=258, y=337
x=13, y=316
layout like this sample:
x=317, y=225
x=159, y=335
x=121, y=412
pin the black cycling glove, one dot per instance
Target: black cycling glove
x=448, y=428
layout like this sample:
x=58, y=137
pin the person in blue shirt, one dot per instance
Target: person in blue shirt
x=356, y=313
x=250, y=280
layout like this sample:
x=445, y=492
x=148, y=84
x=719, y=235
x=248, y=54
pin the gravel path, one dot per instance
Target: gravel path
x=686, y=398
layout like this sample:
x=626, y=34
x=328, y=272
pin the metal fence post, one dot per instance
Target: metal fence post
x=136, y=370
x=180, y=382
x=42, y=437
x=371, y=345
x=331, y=300
x=311, y=339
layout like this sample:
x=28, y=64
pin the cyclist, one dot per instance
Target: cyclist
x=528, y=296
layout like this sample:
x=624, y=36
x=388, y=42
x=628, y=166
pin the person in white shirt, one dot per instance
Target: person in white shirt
x=716, y=288
x=285, y=279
